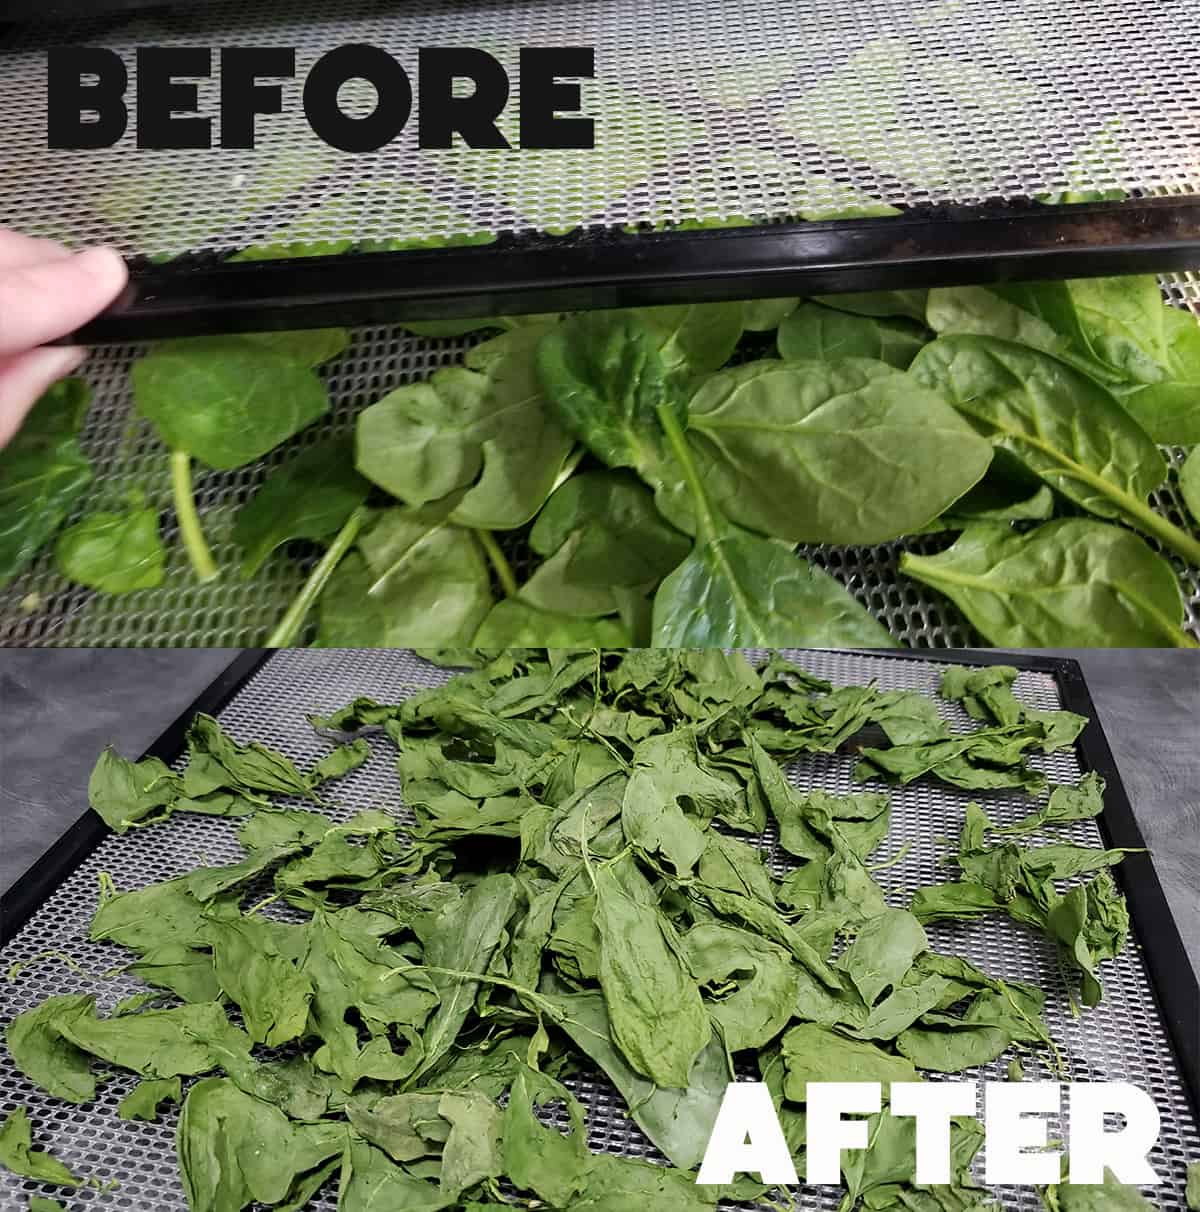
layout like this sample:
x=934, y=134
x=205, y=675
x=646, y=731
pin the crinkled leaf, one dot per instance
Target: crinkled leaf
x=124, y=792
x=143, y=1101
x=235, y=1150
x=45, y=1055
x=18, y=1154
x=657, y=1017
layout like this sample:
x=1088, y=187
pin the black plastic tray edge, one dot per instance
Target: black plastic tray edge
x=527, y=272
x=19, y=903
x=1172, y=978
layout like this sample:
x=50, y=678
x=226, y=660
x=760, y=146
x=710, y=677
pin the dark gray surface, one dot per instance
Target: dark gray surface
x=60, y=707
x=1149, y=703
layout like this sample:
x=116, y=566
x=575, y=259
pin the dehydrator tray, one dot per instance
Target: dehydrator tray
x=40, y=607
x=1144, y=1031
x=971, y=117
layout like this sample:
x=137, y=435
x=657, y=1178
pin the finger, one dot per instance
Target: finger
x=39, y=303
x=17, y=250
x=25, y=377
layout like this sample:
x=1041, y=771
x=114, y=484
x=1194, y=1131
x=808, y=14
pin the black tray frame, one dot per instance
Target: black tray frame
x=21, y=11
x=1172, y=978
x=527, y=273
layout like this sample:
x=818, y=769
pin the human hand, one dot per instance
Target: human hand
x=46, y=291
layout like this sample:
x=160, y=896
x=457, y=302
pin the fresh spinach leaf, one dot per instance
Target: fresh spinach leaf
x=600, y=530
x=847, y=451
x=763, y=315
x=484, y=430
x=309, y=497
x=226, y=401
x=1062, y=425
x=1189, y=484
x=910, y=303
x=1169, y=410
x=822, y=334
x=415, y=579
x=114, y=552
x=312, y=346
x=1069, y=583
x=1112, y=329
x=511, y=622
x=738, y=589
x=693, y=338
x=607, y=379
x=43, y=473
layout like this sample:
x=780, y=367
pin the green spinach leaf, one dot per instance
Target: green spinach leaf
x=484, y=430
x=607, y=379
x=18, y=1154
x=1069, y=583
x=114, y=552
x=1169, y=410
x=512, y=623
x=1189, y=484
x=143, y=1101
x=840, y=452
x=43, y=473
x=1063, y=426
x=309, y=497
x=822, y=334
x=415, y=579
x=740, y=590
x=654, y=1006
x=226, y=401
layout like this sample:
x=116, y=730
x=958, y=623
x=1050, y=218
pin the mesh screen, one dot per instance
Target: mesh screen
x=1122, y=1039
x=762, y=108
x=41, y=608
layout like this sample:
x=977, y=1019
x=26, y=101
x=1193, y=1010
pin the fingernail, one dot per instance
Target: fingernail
x=102, y=262
x=69, y=359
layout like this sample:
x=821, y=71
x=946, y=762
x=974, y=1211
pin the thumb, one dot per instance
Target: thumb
x=47, y=300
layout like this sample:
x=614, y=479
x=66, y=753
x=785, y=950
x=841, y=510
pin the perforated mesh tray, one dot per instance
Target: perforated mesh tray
x=753, y=108
x=1122, y=1039
x=768, y=110
x=41, y=608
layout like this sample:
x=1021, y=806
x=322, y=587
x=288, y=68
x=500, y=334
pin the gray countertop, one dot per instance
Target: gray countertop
x=60, y=707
